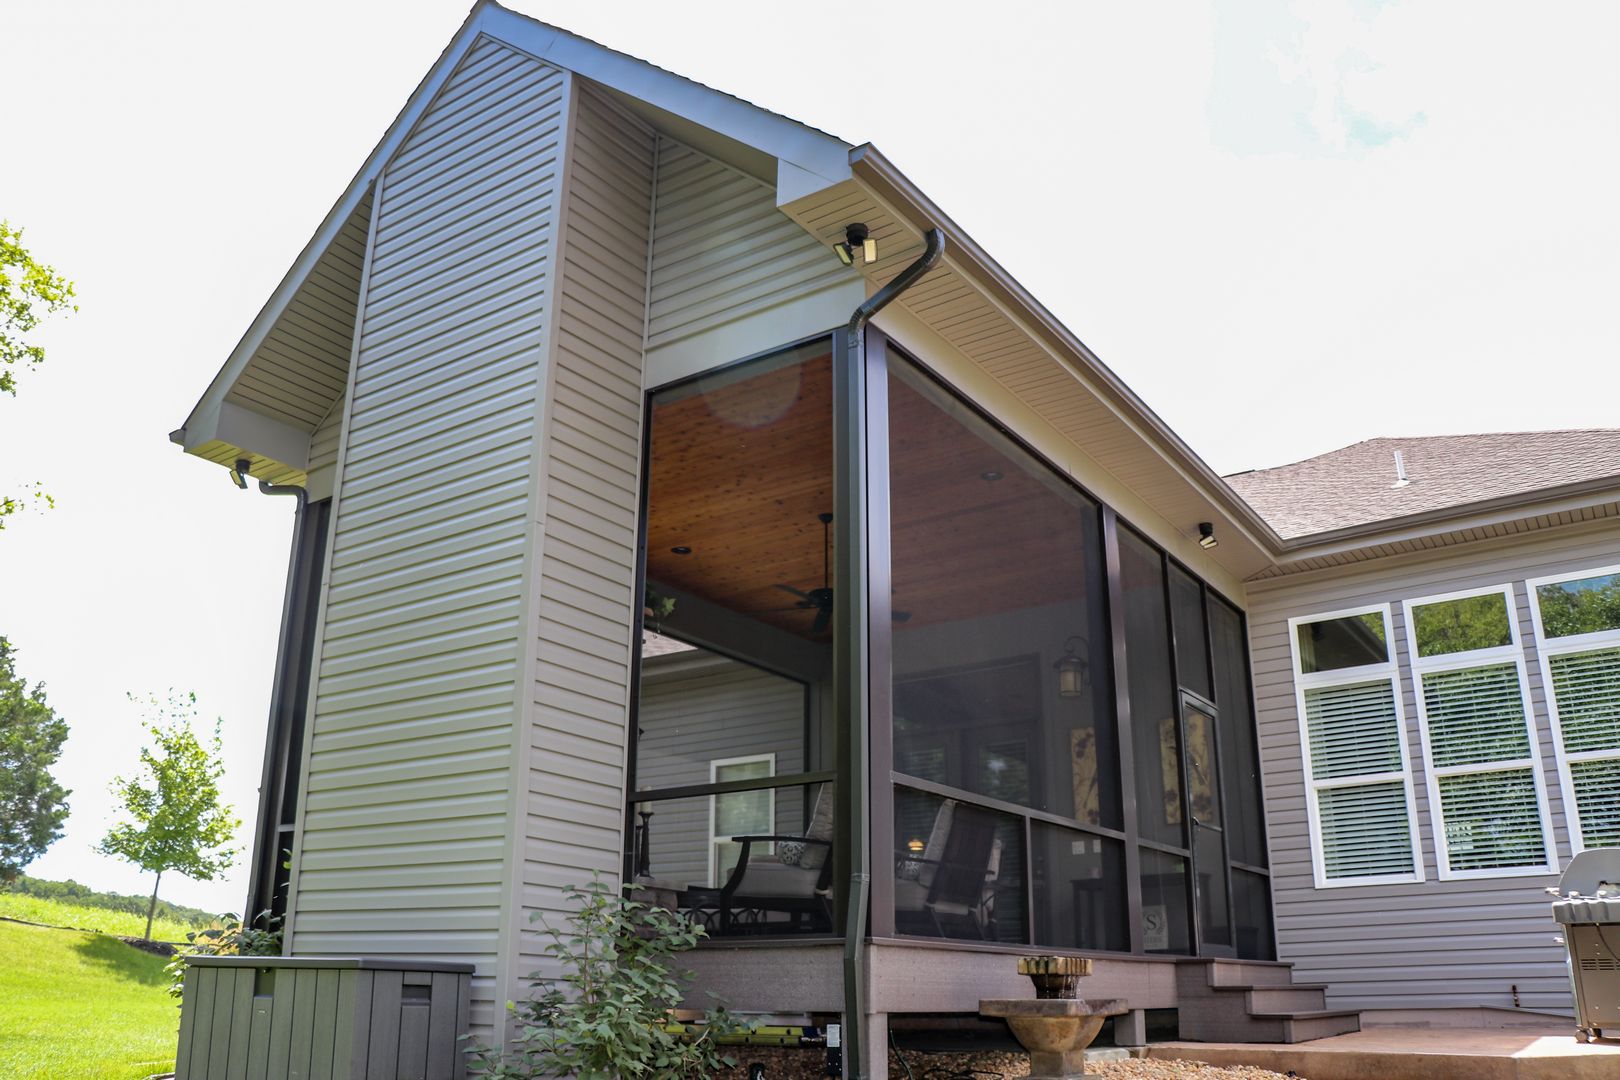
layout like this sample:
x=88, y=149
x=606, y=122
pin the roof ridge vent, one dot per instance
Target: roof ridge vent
x=1401, y=479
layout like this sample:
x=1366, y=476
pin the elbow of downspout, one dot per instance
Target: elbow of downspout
x=933, y=248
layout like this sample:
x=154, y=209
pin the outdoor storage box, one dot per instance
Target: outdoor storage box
x=322, y=1018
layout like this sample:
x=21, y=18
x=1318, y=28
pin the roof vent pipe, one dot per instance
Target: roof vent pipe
x=1401, y=479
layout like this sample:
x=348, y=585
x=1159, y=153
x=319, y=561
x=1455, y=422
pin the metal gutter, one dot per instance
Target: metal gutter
x=851, y=674
x=1473, y=515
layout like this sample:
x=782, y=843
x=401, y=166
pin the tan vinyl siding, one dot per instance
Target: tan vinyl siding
x=300, y=369
x=405, y=826
x=722, y=251
x=1435, y=943
x=585, y=609
x=323, y=452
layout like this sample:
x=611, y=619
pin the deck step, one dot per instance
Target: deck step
x=1255, y=1002
x=1247, y=973
x=1284, y=999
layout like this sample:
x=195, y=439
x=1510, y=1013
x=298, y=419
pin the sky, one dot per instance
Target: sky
x=1289, y=225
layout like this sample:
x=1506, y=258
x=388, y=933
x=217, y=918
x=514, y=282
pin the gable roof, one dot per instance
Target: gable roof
x=1358, y=485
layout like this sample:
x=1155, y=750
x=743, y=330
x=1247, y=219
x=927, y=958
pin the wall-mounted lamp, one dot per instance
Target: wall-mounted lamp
x=1206, y=535
x=915, y=845
x=239, y=474
x=857, y=237
x=1071, y=670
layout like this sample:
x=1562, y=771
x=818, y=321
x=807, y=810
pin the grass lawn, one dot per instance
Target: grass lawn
x=62, y=913
x=82, y=1006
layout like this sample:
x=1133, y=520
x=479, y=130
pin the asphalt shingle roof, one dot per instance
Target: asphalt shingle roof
x=1357, y=485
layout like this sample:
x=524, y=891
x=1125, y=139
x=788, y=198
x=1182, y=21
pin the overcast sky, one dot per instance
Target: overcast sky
x=1289, y=226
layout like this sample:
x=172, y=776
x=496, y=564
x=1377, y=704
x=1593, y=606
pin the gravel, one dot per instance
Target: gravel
x=810, y=1065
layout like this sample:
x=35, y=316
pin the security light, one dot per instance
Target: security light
x=856, y=238
x=240, y=473
x=1206, y=535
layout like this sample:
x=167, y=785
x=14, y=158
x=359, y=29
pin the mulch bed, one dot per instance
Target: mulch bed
x=782, y=1064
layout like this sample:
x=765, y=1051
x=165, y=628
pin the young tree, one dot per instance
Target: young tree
x=29, y=291
x=175, y=818
x=33, y=805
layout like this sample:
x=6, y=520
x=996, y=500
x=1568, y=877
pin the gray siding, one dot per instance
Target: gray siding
x=1435, y=943
x=404, y=832
x=696, y=710
x=722, y=251
x=323, y=452
x=590, y=465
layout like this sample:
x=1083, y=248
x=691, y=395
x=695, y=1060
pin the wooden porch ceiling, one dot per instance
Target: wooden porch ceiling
x=741, y=468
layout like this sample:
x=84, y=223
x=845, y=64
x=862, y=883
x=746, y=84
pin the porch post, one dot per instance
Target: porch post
x=1122, y=727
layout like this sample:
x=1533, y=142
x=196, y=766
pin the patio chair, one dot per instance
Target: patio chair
x=794, y=880
x=950, y=885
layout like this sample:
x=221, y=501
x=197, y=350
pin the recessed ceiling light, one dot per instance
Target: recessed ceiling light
x=681, y=549
x=990, y=475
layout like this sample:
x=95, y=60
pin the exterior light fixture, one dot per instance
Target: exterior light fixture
x=915, y=845
x=239, y=474
x=680, y=549
x=990, y=476
x=1071, y=670
x=1206, y=535
x=857, y=237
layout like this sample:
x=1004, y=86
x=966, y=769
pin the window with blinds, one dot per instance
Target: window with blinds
x=1357, y=774
x=1577, y=624
x=1481, y=761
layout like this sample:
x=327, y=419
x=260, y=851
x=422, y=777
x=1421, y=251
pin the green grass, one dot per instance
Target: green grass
x=82, y=1006
x=82, y=917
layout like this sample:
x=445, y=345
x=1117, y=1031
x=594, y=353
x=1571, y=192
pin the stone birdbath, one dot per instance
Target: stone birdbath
x=1057, y=1025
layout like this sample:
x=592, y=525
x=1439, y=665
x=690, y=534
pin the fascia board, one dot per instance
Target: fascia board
x=814, y=151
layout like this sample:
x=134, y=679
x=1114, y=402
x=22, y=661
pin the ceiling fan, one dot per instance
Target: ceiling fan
x=820, y=600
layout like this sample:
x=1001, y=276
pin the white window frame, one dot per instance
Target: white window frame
x=1513, y=653
x=1389, y=670
x=715, y=841
x=1546, y=649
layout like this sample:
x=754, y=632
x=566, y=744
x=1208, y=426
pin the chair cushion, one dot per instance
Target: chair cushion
x=767, y=877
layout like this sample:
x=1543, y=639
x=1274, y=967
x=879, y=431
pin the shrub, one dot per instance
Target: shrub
x=609, y=1017
x=225, y=936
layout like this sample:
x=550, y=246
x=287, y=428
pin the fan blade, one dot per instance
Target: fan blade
x=823, y=617
x=790, y=589
x=900, y=616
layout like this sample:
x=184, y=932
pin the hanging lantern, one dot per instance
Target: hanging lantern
x=1071, y=670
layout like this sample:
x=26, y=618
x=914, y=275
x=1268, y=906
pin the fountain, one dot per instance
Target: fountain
x=1057, y=1025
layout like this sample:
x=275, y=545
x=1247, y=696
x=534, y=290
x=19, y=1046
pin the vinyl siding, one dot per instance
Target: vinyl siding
x=323, y=452
x=695, y=713
x=723, y=253
x=1435, y=943
x=404, y=840
x=585, y=609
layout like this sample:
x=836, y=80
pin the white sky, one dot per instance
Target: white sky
x=1288, y=225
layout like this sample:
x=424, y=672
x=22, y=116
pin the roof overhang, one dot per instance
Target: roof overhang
x=224, y=428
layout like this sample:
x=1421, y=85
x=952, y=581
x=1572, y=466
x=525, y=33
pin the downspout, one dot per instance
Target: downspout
x=269, y=784
x=859, y=778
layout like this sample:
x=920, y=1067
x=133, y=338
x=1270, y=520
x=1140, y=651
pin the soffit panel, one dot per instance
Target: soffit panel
x=960, y=313
x=298, y=372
